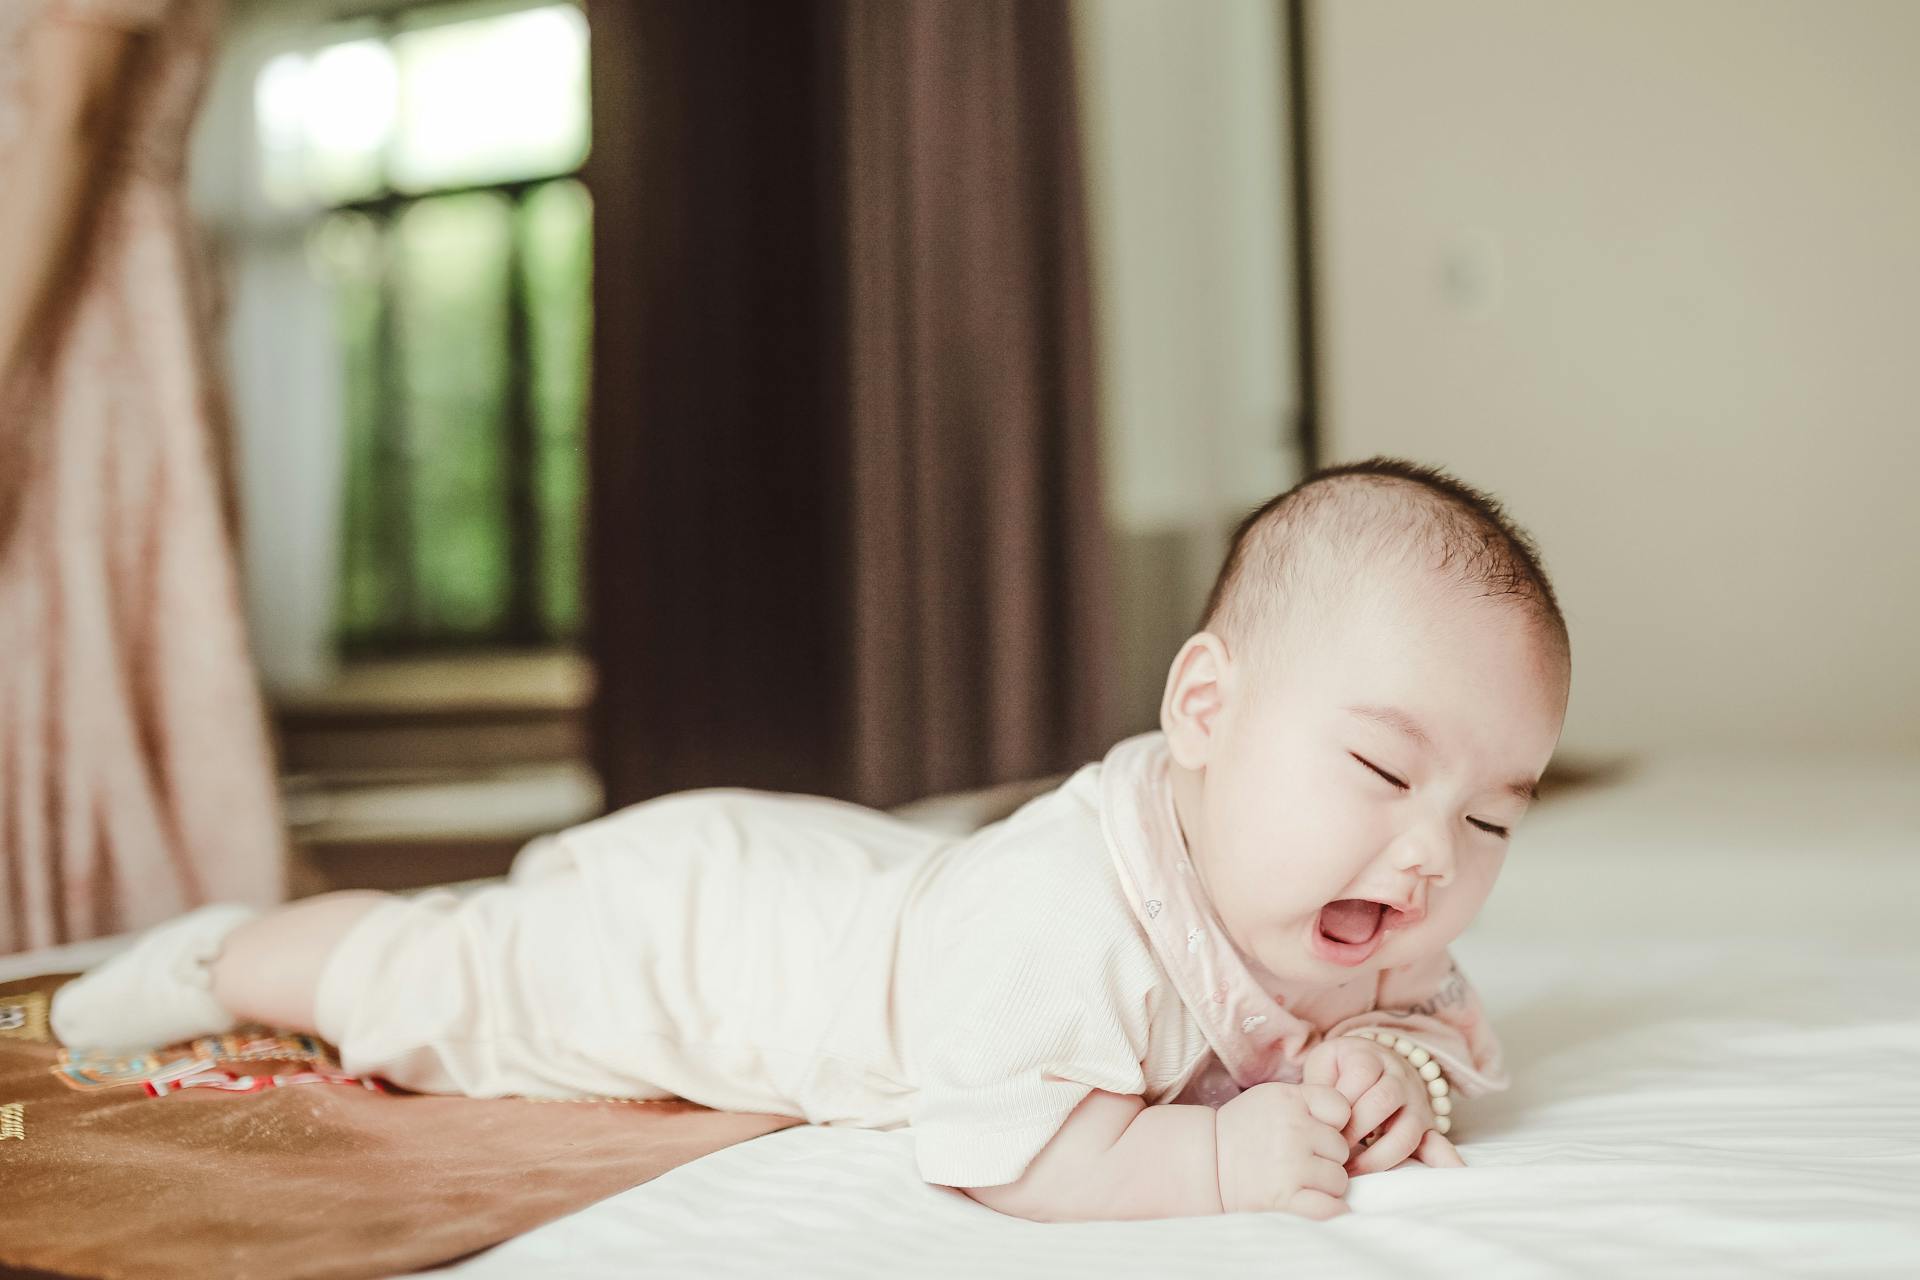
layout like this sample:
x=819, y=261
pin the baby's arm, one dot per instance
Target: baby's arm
x=1275, y=1147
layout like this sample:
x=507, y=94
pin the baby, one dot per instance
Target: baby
x=1136, y=997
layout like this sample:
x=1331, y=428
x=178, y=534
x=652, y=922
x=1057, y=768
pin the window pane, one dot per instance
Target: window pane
x=431, y=543
x=324, y=120
x=351, y=91
x=558, y=228
x=280, y=122
x=491, y=99
x=347, y=250
x=453, y=344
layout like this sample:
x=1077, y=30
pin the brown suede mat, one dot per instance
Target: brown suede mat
x=252, y=1154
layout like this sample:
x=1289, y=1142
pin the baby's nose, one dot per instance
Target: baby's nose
x=1428, y=855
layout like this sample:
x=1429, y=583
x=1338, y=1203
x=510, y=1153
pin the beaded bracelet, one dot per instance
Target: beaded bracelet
x=1438, y=1094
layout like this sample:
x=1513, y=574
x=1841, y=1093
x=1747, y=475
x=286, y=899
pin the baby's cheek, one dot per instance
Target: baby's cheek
x=1452, y=909
x=1249, y=891
x=1477, y=875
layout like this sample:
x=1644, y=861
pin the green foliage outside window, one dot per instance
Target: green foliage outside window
x=450, y=408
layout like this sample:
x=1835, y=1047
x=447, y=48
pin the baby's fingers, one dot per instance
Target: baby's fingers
x=1321, y=1066
x=1326, y=1105
x=1394, y=1144
x=1358, y=1075
x=1309, y=1203
x=1329, y=1176
x=1329, y=1145
x=1437, y=1152
x=1374, y=1107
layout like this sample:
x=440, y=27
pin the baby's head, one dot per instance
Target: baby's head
x=1379, y=680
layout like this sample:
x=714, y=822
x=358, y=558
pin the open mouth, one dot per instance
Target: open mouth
x=1350, y=930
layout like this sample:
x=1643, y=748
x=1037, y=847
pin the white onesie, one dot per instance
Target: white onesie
x=789, y=954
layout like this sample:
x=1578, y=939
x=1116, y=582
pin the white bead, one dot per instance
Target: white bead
x=1404, y=1046
x=1441, y=1124
x=1430, y=1072
x=1442, y=1105
x=1419, y=1057
x=1436, y=1088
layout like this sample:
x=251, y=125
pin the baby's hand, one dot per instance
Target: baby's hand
x=1384, y=1089
x=1279, y=1147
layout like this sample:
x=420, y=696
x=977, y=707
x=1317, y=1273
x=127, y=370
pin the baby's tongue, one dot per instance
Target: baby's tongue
x=1350, y=919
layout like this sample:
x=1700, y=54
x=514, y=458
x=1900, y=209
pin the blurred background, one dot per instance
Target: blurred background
x=409, y=203
x=855, y=397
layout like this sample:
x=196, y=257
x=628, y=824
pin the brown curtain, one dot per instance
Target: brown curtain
x=846, y=530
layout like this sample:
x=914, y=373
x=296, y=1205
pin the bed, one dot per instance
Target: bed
x=1707, y=977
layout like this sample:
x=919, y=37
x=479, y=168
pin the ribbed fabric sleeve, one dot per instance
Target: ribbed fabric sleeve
x=1041, y=988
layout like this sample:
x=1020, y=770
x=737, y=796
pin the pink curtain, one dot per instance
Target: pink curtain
x=136, y=777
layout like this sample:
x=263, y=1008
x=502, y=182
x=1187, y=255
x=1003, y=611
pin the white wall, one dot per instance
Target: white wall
x=1184, y=126
x=281, y=360
x=1650, y=271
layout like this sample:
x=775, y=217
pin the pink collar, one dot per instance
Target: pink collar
x=1255, y=1038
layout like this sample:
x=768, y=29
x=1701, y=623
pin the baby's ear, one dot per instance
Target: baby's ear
x=1196, y=692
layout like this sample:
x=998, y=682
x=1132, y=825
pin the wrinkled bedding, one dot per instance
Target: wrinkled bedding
x=1707, y=976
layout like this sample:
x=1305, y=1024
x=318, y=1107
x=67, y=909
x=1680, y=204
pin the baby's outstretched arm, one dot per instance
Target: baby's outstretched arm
x=1275, y=1147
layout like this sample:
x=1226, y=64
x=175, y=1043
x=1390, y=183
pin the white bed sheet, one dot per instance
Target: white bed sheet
x=1708, y=981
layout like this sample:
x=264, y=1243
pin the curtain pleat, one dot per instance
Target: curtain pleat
x=846, y=522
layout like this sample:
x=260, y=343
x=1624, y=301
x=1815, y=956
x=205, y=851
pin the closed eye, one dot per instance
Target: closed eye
x=1382, y=772
x=1487, y=827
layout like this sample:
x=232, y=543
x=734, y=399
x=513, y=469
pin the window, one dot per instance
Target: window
x=438, y=155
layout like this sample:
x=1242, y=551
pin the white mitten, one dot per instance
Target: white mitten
x=157, y=992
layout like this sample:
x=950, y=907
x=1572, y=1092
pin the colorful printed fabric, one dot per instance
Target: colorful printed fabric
x=158, y=1165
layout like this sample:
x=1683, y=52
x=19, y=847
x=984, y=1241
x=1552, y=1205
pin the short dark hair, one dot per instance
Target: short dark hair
x=1381, y=508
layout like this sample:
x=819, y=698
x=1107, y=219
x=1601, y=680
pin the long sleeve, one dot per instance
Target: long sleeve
x=1040, y=994
x=1432, y=1004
